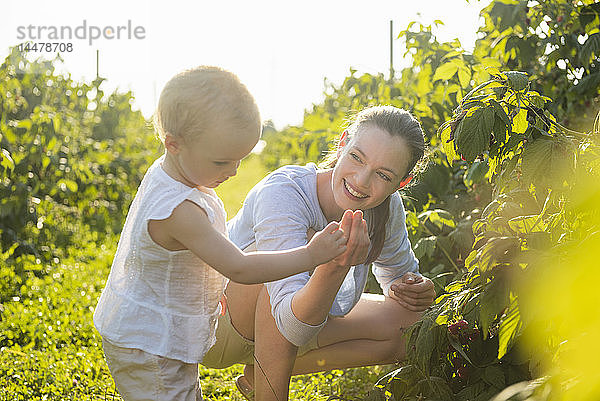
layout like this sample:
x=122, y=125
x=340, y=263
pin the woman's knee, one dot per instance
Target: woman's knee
x=393, y=348
x=241, y=304
x=398, y=318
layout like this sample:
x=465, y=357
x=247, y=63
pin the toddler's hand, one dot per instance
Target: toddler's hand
x=327, y=244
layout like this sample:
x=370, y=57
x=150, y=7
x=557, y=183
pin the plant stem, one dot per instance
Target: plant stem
x=477, y=88
x=444, y=251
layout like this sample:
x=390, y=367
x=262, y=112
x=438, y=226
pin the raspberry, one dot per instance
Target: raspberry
x=456, y=328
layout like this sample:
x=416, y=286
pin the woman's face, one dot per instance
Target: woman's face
x=369, y=168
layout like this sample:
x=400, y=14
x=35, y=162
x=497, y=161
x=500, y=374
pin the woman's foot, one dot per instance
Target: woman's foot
x=244, y=387
x=249, y=374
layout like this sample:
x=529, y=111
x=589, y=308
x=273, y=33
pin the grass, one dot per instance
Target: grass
x=50, y=350
x=233, y=191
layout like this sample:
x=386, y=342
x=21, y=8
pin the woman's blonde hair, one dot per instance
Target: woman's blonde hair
x=199, y=99
x=396, y=122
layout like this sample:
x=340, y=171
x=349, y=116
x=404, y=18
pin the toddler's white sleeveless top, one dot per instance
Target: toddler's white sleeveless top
x=160, y=301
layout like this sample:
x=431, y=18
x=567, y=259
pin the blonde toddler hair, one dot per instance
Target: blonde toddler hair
x=199, y=99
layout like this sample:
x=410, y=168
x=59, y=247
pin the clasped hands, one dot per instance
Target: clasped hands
x=413, y=291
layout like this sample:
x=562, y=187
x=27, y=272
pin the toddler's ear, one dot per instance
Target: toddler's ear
x=172, y=143
x=405, y=182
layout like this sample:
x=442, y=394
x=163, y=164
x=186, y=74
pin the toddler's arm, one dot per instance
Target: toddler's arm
x=189, y=226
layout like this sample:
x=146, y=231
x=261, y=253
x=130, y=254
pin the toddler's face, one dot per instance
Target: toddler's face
x=214, y=156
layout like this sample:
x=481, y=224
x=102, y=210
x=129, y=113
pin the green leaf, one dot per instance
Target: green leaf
x=493, y=301
x=494, y=375
x=425, y=247
x=448, y=145
x=527, y=224
x=500, y=112
x=425, y=343
x=57, y=121
x=441, y=319
x=462, y=235
x=538, y=240
x=455, y=343
x=411, y=219
x=507, y=13
x=547, y=161
x=473, y=133
x=24, y=124
x=500, y=91
x=586, y=15
x=498, y=250
x=6, y=161
x=45, y=162
x=590, y=49
x=537, y=100
x=589, y=82
x=454, y=287
x=65, y=184
x=439, y=217
x=442, y=218
x=517, y=80
x=476, y=173
x=500, y=129
x=471, y=260
x=437, y=179
x=510, y=327
x=490, y=208
x=445, y=71
x=519, y=123
x=464, y=76
x=440, y=388
x=52, y=143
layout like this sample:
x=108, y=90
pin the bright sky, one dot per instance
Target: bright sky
x=281, y=50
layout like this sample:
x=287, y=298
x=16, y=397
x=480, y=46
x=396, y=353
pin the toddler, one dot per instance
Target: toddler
x=158, y=311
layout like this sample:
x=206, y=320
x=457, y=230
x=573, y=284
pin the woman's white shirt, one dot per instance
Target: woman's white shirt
x=277, y=214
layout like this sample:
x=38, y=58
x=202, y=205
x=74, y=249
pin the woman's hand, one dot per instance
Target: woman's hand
x=311, y=303
x=355, y=230
x=413, y=291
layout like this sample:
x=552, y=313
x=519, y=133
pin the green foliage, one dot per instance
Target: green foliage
x=71, y=158
x=49, y=348
x=476, y=348
x=470, y=344
x=555, y=43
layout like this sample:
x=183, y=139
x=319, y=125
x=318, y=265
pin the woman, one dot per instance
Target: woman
x=321, y=321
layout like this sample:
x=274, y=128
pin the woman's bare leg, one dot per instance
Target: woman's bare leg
x=241, y=303
x=371, y=334
x=274, y=355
